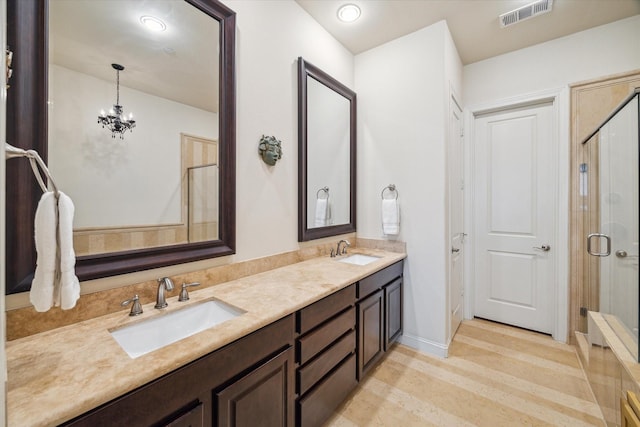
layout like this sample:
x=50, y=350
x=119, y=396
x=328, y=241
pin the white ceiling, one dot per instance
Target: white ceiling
x=473, y=23
x=180, y=63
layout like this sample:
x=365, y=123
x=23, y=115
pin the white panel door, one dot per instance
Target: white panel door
x=455, y=156
x=514, y=196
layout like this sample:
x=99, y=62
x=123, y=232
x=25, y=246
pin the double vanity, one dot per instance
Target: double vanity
x=284, y=346
x=295, y=342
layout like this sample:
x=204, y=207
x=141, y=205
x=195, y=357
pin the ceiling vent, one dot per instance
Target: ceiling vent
x=525, y=12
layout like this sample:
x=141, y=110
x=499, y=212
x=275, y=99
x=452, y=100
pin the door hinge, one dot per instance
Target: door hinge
x=583, y=311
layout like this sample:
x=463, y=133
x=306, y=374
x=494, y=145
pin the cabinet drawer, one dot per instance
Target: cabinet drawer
x=319, y=404
x=319, y=367
x=309, y=317
x=315, y=341
x=377, y=280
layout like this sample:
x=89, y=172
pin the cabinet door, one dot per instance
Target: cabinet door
x=393, y=308
x=370, y=331
x=264, y=397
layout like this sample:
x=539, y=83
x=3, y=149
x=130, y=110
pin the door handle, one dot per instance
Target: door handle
x=606, y=238
x=621, y=253
x=543, y=248
x=455, y=250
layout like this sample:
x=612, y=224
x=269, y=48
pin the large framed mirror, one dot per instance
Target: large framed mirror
x=326, y=154
x=161, y=193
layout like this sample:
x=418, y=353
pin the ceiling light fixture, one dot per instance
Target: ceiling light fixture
x=348, y=13
x=153, y=23
x=115, y=120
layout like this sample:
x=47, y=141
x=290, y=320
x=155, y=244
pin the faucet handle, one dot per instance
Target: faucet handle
x=184, y=295
x=136, y=308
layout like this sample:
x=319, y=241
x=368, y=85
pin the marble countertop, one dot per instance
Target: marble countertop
x=59, y=374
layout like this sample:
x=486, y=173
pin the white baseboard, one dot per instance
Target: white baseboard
x=424, y=345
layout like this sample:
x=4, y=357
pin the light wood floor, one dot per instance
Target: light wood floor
x=495, y=375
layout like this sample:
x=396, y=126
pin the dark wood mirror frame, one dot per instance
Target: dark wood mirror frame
x=306, y=69
x=27, y=29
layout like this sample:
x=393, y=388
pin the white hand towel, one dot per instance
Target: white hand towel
x=323, y=212
x=69, y=291
x=41, y=294
x=390, y=216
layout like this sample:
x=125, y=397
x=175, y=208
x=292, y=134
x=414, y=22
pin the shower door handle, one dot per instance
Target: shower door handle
x=606, y=238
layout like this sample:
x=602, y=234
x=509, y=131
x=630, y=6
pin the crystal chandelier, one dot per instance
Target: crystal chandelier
x=115, y=120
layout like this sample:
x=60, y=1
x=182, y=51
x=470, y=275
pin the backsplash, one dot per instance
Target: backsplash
x=26, y=321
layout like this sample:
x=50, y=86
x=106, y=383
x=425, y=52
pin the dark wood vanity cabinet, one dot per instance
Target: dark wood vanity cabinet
x=246, y=383
x=325, y=356
x=379, y=310
x=295, y=371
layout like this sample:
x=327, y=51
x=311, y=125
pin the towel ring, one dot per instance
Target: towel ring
x=325, y=190
x=391, y=188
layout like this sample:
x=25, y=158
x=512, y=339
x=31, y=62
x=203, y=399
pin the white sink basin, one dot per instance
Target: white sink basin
x=359, y=259
x=149, y=335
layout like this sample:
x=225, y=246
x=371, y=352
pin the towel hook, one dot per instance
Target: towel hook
x=325, y=190
x=391, y=188
x=37, y=165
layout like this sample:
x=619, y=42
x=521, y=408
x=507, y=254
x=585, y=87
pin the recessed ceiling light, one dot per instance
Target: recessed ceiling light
x=348, y=13
x=153, y=23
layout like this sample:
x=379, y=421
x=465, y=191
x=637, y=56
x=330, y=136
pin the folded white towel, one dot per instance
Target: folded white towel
x=42, y=287
x=69, y=284
x=323, y=212
x=390, y=216
x=54, y=282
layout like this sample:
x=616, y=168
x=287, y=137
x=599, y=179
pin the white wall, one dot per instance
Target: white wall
x=403, y=89
x=149, y=155
x=600, y=51
x=271, y=35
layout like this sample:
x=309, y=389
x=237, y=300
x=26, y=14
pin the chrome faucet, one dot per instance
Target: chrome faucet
x=344, y=249
x=163, y=284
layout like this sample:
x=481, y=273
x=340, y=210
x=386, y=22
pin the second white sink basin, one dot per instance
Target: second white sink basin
x=149, y=335
x=359, y=259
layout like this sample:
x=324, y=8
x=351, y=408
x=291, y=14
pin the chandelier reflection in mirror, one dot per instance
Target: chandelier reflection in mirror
x=115, y=120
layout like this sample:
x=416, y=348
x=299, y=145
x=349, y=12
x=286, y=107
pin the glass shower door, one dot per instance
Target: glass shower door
x=615, y=244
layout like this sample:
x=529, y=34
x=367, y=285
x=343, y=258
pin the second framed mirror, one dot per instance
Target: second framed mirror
x=326, y=154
